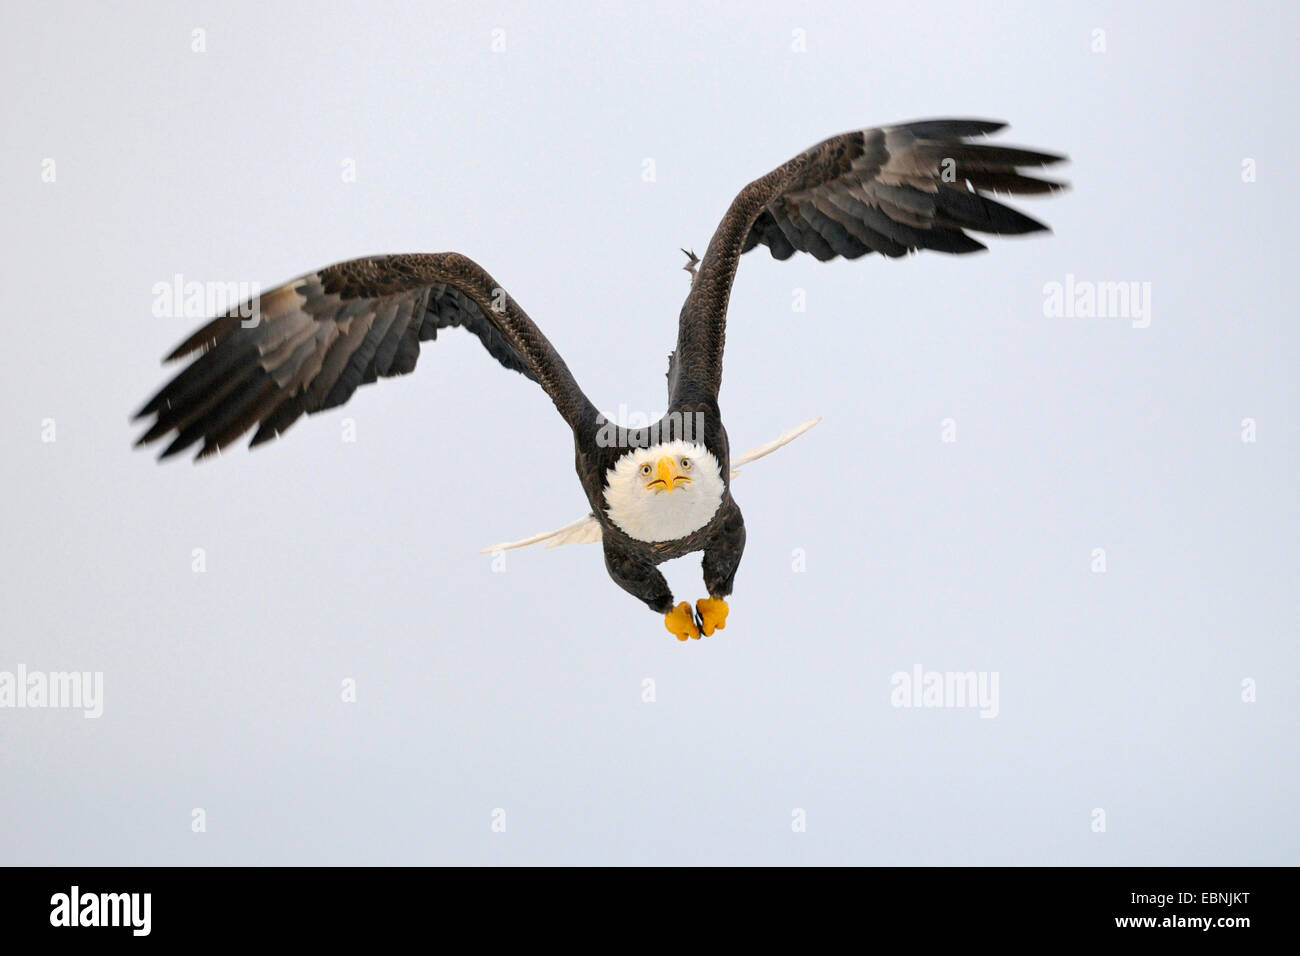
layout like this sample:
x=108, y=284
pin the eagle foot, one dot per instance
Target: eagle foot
x=712, y=613
x=681, y=623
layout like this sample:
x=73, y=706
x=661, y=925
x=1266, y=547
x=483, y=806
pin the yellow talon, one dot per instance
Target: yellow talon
x=713, y=614
x=681, y=622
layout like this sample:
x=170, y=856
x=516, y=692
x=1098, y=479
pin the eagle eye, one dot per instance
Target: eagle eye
x=645, y=469
x=686, y=464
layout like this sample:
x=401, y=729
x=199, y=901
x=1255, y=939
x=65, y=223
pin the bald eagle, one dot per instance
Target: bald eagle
x=656, y=493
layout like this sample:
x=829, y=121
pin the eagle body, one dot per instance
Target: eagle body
x=635, y=548
x=655, y=493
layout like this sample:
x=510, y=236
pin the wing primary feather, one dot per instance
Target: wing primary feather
x=320, y=336
x=892, y=190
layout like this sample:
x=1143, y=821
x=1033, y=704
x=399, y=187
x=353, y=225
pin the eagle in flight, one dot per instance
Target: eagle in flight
x=656, y=493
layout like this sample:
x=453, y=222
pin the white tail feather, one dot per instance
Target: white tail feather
x=586, y=530
x=754, y=454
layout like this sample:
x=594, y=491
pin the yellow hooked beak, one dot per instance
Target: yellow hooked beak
x=666, y=476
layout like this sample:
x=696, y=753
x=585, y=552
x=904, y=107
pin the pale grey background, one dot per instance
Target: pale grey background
x=522, y=690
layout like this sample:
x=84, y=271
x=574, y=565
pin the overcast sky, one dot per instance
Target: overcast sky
x=980, y=461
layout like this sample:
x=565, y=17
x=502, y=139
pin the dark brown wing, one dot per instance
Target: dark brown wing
x=891, y=190
x=308, y=344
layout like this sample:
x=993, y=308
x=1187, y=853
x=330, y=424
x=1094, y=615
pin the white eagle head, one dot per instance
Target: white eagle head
x=664, y=492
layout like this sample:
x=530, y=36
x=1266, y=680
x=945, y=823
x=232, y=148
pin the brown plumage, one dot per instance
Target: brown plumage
x=317, y=338
x=893, y=190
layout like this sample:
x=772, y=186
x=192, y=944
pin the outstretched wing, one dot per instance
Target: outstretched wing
x=306, y=346
x=891, y=190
